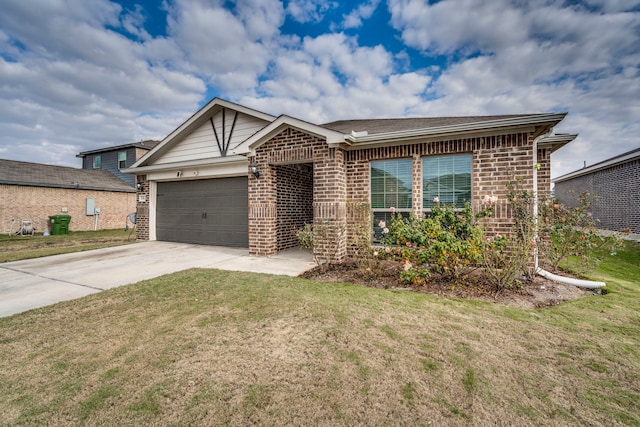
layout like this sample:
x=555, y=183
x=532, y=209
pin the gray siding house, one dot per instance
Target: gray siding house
x=614, y=184
x=116, y=158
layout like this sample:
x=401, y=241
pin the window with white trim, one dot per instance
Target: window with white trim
x=447, y=180
x=391, y=187
x=97, y=161
x=122, y=160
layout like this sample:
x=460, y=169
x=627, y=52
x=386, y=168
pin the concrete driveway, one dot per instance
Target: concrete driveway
x=42, y=281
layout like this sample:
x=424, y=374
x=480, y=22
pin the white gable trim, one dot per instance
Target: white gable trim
x=193, y=123
x=281, y=123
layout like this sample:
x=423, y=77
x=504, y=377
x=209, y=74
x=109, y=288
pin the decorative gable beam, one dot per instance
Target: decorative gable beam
x=224, y=141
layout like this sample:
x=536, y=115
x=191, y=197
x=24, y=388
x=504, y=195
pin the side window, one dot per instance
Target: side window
x=122, y=160
x=390, y=188
x=446, y=179
x=97, y=162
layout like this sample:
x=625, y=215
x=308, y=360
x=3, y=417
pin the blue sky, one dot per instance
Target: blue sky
x=77, y=75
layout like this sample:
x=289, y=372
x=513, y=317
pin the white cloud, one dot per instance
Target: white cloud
x=69, y=84
x=364, y=11
x=70, y=81
x=304, y=11
x=331, y=77
x=535, y=57
x=229, y=50
x=133, y=22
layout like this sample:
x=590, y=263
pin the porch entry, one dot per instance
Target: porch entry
x=294, y=195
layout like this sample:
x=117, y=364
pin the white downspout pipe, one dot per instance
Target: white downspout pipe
x=535, y=202
x=588, y=284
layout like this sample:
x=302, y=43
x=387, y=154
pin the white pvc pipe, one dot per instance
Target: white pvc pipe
x=588, y=284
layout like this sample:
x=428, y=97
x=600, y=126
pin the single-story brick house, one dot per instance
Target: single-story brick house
x=234, y=176
x=613, y=185
x=35, y=191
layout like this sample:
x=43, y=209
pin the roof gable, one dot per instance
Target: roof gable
x=213, y=132
x=283, y=122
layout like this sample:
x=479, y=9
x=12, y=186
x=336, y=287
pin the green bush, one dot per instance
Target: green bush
x=571, y=232
x=446, y=242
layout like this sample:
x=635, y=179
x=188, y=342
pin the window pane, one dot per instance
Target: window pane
x=97, y=162
x=448, y=178
x=122, y=159
x=391, y=184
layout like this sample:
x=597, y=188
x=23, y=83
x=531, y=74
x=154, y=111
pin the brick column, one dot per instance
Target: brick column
x=330, y=203
x=263, y=216
x=142, y=208
x=417, y=185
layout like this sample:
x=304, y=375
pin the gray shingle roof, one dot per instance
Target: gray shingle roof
x=375, y=126
x=41, y=175
x=146, y=144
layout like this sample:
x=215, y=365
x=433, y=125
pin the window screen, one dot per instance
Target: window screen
x=448, y=178
x=390, y=187
x=391, y=184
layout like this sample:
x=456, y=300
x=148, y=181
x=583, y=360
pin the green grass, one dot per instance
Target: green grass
x=16, y=248
x=209, y=347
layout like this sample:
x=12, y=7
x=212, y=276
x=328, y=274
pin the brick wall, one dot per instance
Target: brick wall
x=292, y=147
x=496, y=161
x=294, y=186
x=616, y=200
x=38, y=203
x=142, y=208
x=544, y=174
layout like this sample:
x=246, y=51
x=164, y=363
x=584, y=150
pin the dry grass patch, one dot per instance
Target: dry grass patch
x=207, y=347
x=16, y=248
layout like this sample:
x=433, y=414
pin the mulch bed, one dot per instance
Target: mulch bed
x=538, y=293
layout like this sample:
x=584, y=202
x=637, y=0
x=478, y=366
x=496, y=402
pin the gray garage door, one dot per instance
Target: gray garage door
x=208, y=211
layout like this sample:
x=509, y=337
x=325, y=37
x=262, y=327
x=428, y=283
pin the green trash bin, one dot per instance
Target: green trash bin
x=59, y=224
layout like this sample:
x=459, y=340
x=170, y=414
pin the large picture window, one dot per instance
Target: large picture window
x=446, y=179
x=390, y=188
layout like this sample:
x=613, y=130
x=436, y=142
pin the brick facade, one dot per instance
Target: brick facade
x=19, y=202
x=616, y=200
x=279, y=201
x=294, y=189
x=142, y=208
x=328, y=201
x=496, y=161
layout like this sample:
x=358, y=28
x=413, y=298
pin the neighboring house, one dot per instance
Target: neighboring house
x=234, y=176
x=614, y=187
x=114, y=159
x=33, y=191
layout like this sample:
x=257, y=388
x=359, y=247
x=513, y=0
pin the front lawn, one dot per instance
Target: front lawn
x=16, y=248
x=209, y=347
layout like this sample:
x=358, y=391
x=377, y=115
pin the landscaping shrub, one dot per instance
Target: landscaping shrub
x=505, y=259
x=571, y=232
x=446, y=242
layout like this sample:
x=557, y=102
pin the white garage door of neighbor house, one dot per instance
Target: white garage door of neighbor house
x=207, y=211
